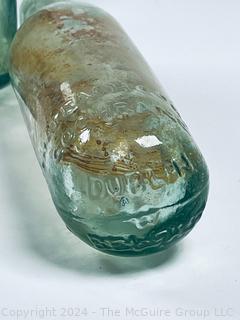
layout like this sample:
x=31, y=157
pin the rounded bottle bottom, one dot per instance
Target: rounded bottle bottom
x=159, y=238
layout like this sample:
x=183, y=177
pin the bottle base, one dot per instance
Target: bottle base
x=160, y=238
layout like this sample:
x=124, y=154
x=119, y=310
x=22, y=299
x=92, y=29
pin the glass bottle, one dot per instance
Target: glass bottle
x=122, y=168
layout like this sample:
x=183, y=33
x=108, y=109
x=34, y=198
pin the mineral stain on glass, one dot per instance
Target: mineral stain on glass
x=7, y=30
x=123, y=170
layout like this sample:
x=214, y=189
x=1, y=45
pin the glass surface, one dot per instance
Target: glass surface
x=122, y=168
x=7, y=30
x=29, y=7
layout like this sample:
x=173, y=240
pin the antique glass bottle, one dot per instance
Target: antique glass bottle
x=7, y=30
x=122, y=168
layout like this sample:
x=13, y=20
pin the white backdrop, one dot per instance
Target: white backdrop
x=193, y=47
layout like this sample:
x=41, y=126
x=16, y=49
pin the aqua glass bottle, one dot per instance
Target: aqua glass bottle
x=8, y=25
x=122, y=168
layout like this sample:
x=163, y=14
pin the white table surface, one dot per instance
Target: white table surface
x=194, y=48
